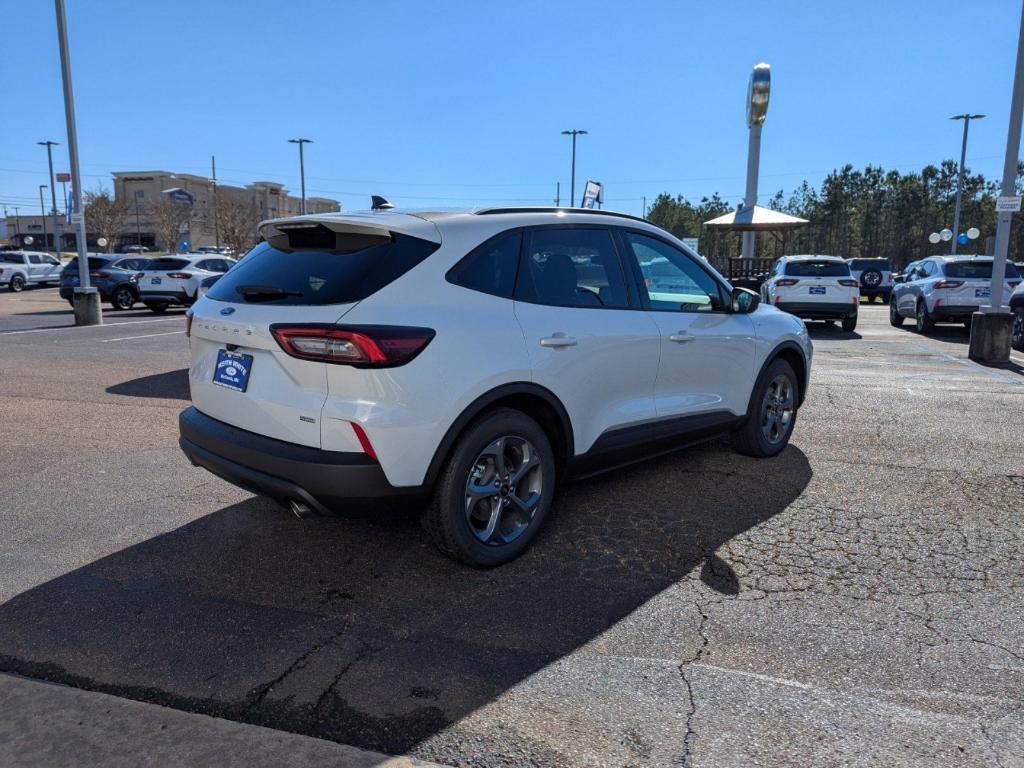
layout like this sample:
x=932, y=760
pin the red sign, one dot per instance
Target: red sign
x=65, y=177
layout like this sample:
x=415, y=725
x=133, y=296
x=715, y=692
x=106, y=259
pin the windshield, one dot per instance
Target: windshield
x=816, y=268
x=978, y=270
x=314, y=277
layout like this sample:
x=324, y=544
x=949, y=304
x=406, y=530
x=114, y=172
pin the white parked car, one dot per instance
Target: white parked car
x=21, y=268
x=814, y=288
x=945, y=289
x=474, y=360
x=175, y=280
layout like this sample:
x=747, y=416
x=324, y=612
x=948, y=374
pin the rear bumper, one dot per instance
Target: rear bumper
x=323, y=480
x=954, y=312
x=164, y=297
x=812, y=310
x=68, y=292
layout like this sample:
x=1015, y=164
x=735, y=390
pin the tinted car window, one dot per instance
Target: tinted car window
x=167, y=265
x=314, y=277
x=978, y=270
x=815, y=268
x=571, y=268
x=672, y=280
x=862, y=264
x=490, y=268
x=95, y=262
x=34, y=258
x=132, y=265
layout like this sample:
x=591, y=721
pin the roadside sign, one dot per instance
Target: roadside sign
x=76, y=218
x=64, y=177
x=592, y=194
x=1008, y=204
x=691, y=242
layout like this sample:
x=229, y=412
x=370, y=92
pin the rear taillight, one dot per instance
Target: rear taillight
x=188, y=324
x=99, y=275
x=850, y=283
x=363, y=346
x=1, y=270
x=948, y=283
x=1013, y=283
x=179, y=275
x=785, y=281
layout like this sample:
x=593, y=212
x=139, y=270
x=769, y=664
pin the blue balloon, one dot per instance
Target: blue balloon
x=962, y=238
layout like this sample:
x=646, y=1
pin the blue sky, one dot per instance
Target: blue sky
x=457, y=103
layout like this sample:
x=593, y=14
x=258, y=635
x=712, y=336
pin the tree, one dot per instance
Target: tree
x=105, y=216
x=237, y=219
x=169, y=218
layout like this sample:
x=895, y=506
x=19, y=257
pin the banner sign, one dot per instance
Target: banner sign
x=592, y=194
x=178, y=195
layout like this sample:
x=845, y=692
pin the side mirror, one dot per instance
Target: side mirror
x=744, y=301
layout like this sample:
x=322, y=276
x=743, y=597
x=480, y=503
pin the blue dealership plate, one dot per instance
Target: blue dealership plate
x=232, y=370
x=982, y=293
x=817, y=289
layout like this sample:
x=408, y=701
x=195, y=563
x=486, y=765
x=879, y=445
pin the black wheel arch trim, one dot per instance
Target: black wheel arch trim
x=481, y=404
x=771, y=358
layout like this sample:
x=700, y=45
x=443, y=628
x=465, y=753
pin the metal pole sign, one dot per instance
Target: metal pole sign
x=758, y=91
x=592, y=194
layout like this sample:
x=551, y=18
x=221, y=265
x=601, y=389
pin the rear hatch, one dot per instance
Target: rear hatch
x=167, y=274
x=817, y=281
x=310, y=270
x=69, y=275
x=969, y=283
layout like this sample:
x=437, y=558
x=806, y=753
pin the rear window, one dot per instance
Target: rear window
x=862, y=264
x=11, y=258
x=314, y=277
x=95, y=262
x=813, y=268
x=978, y=270
x=167, y=265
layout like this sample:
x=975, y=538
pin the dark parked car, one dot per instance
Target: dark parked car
x=115, y=275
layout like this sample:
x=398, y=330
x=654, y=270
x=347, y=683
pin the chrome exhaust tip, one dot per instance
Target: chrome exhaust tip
x=301, y=510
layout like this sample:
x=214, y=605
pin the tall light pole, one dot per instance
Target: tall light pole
x=302, y=168
x=86, y=298
x=572, y=184
x=758, y=91
x=960, y=179
x=42, y=210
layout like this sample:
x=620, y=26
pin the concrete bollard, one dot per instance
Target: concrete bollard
x=86, y=302
x=990, y=337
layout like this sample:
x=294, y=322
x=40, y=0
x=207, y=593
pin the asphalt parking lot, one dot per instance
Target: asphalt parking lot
x=856, y=601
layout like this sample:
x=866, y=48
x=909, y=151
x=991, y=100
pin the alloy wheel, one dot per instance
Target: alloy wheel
x=504, y=490
x=777, y=409
x=1017, y=340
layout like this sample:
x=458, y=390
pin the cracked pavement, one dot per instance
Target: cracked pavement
x=858, y=601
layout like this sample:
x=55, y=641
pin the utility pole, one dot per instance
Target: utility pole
x=86, y=298
x=645, y=208
x=558, y=194
x=302, y=168
x=960, y=179
x=216, y=220
x=17, y=223
x=991, y=329
x=42, y=210
x=572, y=185
x=138, y=221
x=757, y=110
x=53, y=189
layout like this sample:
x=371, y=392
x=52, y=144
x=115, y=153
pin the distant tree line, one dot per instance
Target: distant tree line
x=859, y=213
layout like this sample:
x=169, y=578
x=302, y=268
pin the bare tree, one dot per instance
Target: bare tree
x=105, y=216
x=237, y=219
x=169, y=218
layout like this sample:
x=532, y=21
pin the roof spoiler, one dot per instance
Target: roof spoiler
x=314, y=231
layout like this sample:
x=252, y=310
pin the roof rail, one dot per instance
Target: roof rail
x=550, y=209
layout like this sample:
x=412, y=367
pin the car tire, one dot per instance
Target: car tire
x=850, y=323
x=122, y=298
x=925, y=323
x=17, y=284
x=155, y=308
x=495, y=527
x=895, y=318
x=772, y=415
x=1017, y=339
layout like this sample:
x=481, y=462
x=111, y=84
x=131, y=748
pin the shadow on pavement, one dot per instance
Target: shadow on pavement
x=360, y=632
x=171, y=385
x=827, y=331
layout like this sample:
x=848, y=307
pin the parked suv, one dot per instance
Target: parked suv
x=874, y=276
x=1017, y=307
x=945, y=289
x=473, y=360
x=115, y=276
x=814, y=288
x=175, y=280
x=21, y=268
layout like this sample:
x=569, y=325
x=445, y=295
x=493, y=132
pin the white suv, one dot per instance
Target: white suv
x=474, y=359
x=814, y=288
x=175, y=280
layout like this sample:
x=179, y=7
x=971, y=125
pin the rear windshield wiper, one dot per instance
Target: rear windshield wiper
x=269, y=292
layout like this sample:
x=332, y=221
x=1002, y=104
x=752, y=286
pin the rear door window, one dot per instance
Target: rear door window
x=315, y=277
x=978, y=270
x=816, y=268
x=571, y=267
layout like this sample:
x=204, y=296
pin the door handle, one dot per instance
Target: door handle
x=681, y=337
x=558, y=340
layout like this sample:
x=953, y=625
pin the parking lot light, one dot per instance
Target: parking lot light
x=572, y=184
x=42, y=210
x=960, y=178
x=302, y=169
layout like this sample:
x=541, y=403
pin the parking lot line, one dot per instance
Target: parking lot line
x=75, y=327
x=144, y=336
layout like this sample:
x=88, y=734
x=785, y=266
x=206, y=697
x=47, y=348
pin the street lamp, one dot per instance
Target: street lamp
x=302, y=168
x=960, y=179
x=572, y=185
x=42, y=210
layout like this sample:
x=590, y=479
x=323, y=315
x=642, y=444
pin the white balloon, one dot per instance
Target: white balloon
x=101, y=242
x=29, y=240
x=973, y=233
x=946, y=234
x=934, y=238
